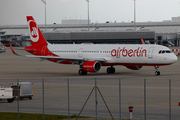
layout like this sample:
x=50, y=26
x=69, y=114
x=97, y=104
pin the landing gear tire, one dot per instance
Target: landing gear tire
x=82, y=72
x=157, y=73
x=110, y=70
x=30, y=98
x=10, y=100
x=157, y=70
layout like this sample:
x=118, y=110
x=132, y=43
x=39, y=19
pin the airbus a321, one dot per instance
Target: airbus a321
x=91, y=57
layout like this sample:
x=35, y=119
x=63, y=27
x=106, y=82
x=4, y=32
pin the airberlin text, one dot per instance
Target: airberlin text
x=139, y=52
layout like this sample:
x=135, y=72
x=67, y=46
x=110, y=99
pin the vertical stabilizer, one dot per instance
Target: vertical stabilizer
x=37, y=39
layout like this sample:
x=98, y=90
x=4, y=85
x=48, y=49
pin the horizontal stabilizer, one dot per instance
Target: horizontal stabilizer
x=30, y=48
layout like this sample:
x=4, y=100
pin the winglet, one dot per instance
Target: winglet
x=142, y=41
x=13, y=50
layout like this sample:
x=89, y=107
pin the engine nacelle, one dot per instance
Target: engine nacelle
x=91, y=66
x=134, y=67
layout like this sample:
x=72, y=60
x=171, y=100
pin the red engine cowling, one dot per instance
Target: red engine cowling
x=91, y=66
x=134, y=67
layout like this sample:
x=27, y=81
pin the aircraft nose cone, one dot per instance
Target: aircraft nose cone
x=174, y=58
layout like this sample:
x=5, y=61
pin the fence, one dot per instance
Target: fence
x=100, y=97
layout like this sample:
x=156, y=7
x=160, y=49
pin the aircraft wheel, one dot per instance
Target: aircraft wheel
x=85, y=73
x=30, y=98
x=157, y=73
x=113, y=70
x=110, y=70
x=82, y=72
x=10, y=100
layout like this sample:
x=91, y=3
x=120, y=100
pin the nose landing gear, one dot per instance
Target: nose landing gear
x=157, y=70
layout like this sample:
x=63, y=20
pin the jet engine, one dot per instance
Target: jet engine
x=91, y=66
x=134, y=67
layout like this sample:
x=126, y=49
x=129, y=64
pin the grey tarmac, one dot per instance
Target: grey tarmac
x=55, y=76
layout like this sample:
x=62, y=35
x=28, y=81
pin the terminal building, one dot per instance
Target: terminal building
x=76, y=31
x=99, y=37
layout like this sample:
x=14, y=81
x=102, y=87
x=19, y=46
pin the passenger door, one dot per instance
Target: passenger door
x=80, y=52
x=150, y=52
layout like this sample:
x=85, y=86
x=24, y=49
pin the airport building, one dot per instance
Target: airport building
x=99, y=37
x=76, y=31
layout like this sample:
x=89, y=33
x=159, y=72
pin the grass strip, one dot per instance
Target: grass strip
x=33, y=116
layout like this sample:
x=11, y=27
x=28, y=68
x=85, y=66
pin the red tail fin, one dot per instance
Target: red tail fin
x=37, y=39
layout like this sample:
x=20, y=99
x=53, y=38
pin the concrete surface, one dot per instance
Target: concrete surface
x=55, y=76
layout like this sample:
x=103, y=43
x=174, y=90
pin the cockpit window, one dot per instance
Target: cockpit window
x=168, y=51
x=164, y=51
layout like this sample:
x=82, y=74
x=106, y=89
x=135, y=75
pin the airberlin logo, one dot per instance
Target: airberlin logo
x=33, y=31
x=139, y=52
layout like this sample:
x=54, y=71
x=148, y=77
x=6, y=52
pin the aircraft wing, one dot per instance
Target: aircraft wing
x=67, y=58
x=59, y=57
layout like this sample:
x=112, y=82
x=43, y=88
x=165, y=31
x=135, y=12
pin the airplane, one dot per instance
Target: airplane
x=91, y=57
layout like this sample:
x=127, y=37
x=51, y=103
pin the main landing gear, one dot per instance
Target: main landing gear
x=157, y=70
x=82, y=72
x=111, y=69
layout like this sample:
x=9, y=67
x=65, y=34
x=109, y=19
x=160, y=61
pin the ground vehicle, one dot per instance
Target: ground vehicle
x=6, y=93
x=25, y=90
x=2, y=48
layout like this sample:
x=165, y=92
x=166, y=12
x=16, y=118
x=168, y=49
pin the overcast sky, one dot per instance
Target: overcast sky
x=15, y=11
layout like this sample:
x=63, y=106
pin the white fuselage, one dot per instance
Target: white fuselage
x=117, y=54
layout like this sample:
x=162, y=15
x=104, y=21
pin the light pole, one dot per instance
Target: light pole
x=134, y=15
x=88, y=13
x=44, y=1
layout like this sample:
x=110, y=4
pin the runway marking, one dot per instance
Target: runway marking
x=165, y=104
x=61, y=70
x=139, y=105
x=151, y=104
